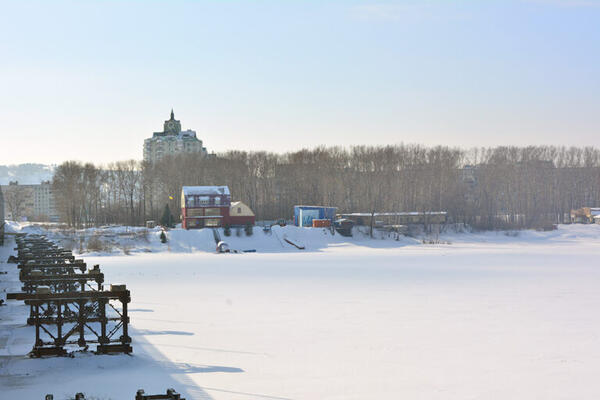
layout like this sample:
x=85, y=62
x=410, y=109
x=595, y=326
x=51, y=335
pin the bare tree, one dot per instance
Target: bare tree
x=491, y=188
x=15, y=198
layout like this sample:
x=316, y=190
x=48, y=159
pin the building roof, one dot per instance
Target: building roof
x=205, y=190
x=314, y=207
x=396, y=214
x=245, y=210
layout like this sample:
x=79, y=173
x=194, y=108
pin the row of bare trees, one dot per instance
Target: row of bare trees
x=89, y=195
x=486, y=187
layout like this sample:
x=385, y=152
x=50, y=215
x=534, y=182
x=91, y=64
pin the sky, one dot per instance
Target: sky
x=90, y=80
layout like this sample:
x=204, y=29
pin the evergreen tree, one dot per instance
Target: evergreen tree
x=167, y=218
x=227, y=230
x=249, y=229
x=163, y=237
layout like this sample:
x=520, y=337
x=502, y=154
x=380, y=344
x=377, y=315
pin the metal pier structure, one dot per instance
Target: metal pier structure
x=68, y=304
x=139, y=395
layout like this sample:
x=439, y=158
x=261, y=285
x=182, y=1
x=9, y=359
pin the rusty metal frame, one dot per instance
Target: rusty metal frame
x=79, y=316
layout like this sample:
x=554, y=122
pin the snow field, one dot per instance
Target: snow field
x=491, y=316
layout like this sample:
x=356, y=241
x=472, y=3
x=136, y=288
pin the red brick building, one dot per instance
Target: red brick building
x=211, y=207
x=205, y=206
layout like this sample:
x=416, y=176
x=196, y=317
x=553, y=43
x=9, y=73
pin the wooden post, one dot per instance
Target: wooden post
x=36, y=315
x=102, y=308
x=81, y=323
x=59, y=323
x=125, y=319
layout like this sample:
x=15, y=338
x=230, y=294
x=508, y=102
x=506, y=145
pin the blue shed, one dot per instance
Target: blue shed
x=304, y=215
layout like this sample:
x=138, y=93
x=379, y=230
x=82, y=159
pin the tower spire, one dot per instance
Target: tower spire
x=172, y=114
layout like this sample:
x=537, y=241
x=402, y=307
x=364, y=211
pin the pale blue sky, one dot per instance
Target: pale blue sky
x=89, y=80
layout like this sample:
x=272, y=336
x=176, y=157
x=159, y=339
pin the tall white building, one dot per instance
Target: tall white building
x=29, y=202
x=172, y=140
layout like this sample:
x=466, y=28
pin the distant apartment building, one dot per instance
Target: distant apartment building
x=29, y=202
x=172, y=140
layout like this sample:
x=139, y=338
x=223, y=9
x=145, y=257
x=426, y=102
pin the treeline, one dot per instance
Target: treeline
x=489, y=188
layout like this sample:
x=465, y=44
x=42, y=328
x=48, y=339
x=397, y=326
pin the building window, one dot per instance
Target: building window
x=211, y=222
x=197, y=223
x=217, y=200
x=194, y=212
x=239, y=210
x=202, y=200
x=212, y=211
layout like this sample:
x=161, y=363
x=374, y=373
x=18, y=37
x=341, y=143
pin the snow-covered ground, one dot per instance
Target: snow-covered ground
x=119, y=240
x=114, y=240
x=482, y=316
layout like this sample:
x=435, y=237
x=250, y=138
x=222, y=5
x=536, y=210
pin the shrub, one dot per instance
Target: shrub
x=249, y=229
x=96, y=244
x=227, y=230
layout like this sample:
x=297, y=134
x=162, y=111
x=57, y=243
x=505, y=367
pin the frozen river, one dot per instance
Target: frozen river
x=469, y=320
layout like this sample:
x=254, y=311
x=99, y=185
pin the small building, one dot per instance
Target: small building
x=240, y=215
x=584, y=215
x=396, y=219
x=205, y=206
x=304, y=215
x=594, y=212
x=344, y=226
